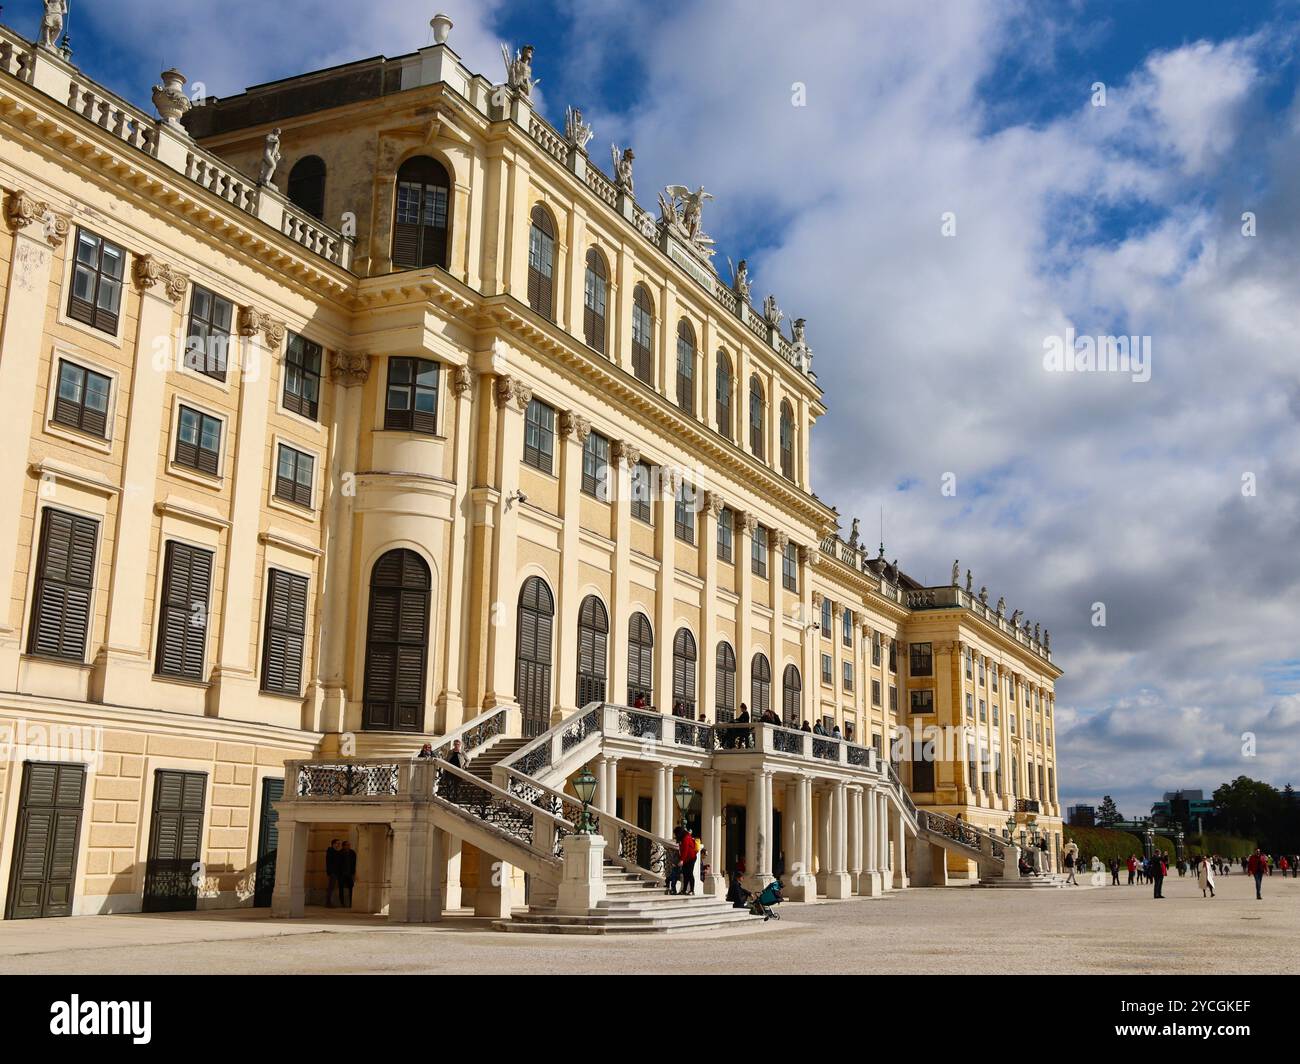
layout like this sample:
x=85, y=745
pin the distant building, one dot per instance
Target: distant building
x=1082, y=816
x=1191, y=809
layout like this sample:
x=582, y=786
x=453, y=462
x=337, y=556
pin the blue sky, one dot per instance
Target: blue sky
x=1074, y=489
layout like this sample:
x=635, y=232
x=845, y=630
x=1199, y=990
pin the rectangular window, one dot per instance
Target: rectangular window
x=828, y=623
x=208, y=338
x=970, y=656
x=875, y=649
x=758, y=552
x=293, y=476
x=198, y=441
x=790, y=567
x=893, y=655
x=726, y=535
x=412, y=403
x=684, y=513
x=828, y=667
x=923, y=776
x=642, y=479
x=595, y=467
x=539, y=436
x=285, y=633
x=65, y=581
x=848, y=675
x=983, y=675
x=81, y=401
x=997, y=716
x=984, y=715
x=893, y=698
x=970, y=704
x=302, y=369
x=183, y=620
x=922, y=659
x=846, y=634
x=875, y=692
x=995, y=679
x=1011, y=722
x=96, y=297
x=923, y=701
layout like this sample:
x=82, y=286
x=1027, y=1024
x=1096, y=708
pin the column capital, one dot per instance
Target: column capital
x=748, y=522
x=627, y=452
x=572, y=424
x=714, y=504
x=817, y=599
x=510, y=389
x=462, y=380
x=806, y=554
x=150, y=272
x=837, y=610
x=253, y=321
x=782, y=541
x=349, y=370
x=23, y=210
x=670, y=479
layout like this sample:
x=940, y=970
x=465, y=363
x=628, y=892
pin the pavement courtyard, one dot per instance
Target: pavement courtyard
x=942, y=931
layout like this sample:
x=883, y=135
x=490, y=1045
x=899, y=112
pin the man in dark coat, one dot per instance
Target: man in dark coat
x=1157, y=869
x=347, y=874
x=332, y=871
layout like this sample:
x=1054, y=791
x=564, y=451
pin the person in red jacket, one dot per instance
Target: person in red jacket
x=690, y=850
x=1132, y=869
x=1257, y=866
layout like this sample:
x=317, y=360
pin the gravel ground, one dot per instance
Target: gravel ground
x=949, y=931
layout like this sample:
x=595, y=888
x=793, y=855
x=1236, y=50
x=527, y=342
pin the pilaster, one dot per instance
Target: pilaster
x=573, y=432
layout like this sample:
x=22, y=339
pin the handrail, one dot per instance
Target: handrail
x=961, y=832
x=475, y=732
x=540, y=753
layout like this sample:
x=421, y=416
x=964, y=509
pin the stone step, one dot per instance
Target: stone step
x=607, y=924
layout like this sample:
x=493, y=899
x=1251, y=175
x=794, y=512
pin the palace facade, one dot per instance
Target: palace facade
x=362, y=411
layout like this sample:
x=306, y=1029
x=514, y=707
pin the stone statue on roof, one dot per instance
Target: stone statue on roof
x=740, y=280
x=52, y=23
x=772, y=313
x=956, y=573
x=623, y=168
x=1015, y=619
x=856, y=535
x=1038, y=632
x=270, y=159
x=682, y=211
x=984, y=596
x=970, y=582
x=519, y=70
x=1002, y=606
x=803, y=355
x=576, y=131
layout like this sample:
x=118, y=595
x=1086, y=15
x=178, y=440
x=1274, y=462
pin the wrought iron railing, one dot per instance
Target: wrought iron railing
x=641, y=725
x=475, y=733
x=337, y=781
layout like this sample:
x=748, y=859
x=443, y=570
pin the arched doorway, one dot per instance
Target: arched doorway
x=760, y=687
x=684, y=671
x=640, y=660
x=593, y=651
x=397, y=643
x=792, y=697
x=533, y=656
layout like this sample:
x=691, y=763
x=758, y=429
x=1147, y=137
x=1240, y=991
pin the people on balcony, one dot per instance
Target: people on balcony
x=806, y=728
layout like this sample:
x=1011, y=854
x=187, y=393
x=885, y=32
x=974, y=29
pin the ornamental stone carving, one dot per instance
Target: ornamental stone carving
x=576, y=425
x=170, y=100
x=817, y=600
x=462, y=380
x=253, y=321
x=349, y=370
x=748, y=522
x=714, y=504
x=782, y=541
x=510, y=389
x=627, y=452
x=837, y=610
x=23, y=210
x=150, y=272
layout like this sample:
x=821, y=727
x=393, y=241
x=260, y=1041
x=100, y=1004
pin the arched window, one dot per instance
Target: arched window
x=640, y=660
x=760, y=687
x=643, y=335
x=307, y=185
x=787, y=441
x=533, y=655
x=685, y=367
x=541, y=263
x=756, y=417
x=725, y=684
x=397, y=643
x=593, y=651
x=684, y=685
x=724, y=388
x=594, y=300
x=420, y=222
x=792, y=697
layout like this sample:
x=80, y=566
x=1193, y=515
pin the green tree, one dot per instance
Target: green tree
x=1249, y=808
x=1108, y=815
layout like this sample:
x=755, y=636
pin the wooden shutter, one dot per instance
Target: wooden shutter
x=64, y=586
x=48, y=830
x=285, y=633
x=175, y=841
x=397, y=643
x=640, y=659
x=183, y=624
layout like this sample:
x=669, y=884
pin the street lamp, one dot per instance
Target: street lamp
x=1011, y=826
x=584, y=786
x=684, y=796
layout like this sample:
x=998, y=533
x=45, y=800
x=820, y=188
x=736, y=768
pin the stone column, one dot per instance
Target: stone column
x=666, y=599
x=708, y=532
x=38, y=232
x=123, y=666
x=602, y=798
x=574, y=431
x=583, y=886
x=825, y=847
x=886, y=847
x=660, y=799
x=753, y=820
x=809, y=638
x=512, y=398
x=349, y=372
x=855, y=839
x=261, y=337
x=451, y=704
x=837, y=658
x=777, y=544
x=289, y=899
x=767, y=844
x=626, y=456
x=448, y=849
x=494, y=896
x=900, y=852
x=620, y=337
x=408, y=891
x=837, y=881
x=744, y=526
x=869, y=881
x=611, y=787
x=799, y=882
x=715, y=882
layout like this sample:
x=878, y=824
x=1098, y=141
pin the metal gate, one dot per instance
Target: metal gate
x=268, y=841
x=45, y=852
x=171, y=878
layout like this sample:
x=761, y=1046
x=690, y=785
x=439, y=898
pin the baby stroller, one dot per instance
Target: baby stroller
x=762, y=904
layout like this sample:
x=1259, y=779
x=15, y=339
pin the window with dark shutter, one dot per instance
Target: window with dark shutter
x=760, y=687
x=643, y=328
x=684, y=513
x=412, y=402
x=790, y=567
x=541, y=263
x=595, y=467
x=533, y=656
x=726, y=535
x=96, y=297
x=183, y=612
x=593, y=651
x=294, y=474
x=207, y=340
x=923, y=776
x=758, y=552
x=595, y=296
x=420, y=218
x=756, y=418
x=397, y=643
x=787, y=442
x=791, y=697
x=285, y=633
x=65, y=580
x=685, y=658
x=302, y=369
x=642, y=479
x=640, y=660
x=685, y=367
x=539, y=436
x=307, y=185
x=198, y=441
x=725, y=683
x=724, y=387
x=81, y=399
